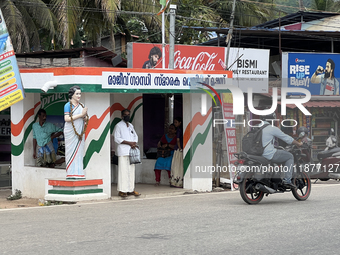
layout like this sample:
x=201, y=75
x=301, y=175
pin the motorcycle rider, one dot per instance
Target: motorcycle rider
x=275, y=155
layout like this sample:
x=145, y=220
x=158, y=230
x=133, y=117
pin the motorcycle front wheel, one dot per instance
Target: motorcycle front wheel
x=303, y=186
x=248, y=192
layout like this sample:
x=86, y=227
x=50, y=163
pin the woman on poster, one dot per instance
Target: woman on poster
x=76, y=119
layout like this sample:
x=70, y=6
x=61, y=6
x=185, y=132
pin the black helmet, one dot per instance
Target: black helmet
x=271, y=116
x=302, y=129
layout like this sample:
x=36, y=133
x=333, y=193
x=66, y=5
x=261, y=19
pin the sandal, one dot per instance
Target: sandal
x=134, y=193
x=157, y=184
x=122, y=194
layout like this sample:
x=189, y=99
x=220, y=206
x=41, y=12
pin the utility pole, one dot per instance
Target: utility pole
x=169, y=97
x=280, y=51
x=230, y=33
x=301, y=7
x=172, y=35
x=163, y=38
x=219, y=150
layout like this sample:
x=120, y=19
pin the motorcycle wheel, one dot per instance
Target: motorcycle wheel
x=303, y=184
x=248, y=192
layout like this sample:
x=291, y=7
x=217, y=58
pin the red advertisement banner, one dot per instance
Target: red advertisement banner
x=186, y=57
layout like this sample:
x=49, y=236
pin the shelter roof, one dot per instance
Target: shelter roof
x=295, y=35
x=300, y=16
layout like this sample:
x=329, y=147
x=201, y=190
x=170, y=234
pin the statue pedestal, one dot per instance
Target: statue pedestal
x=74, y=190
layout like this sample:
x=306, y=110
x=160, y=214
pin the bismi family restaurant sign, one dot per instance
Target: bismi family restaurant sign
x=250, y=67
x=11, y=90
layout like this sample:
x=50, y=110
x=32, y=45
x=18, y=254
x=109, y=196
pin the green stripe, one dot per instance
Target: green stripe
x=95, y=145
x=116, y=120
x=18, y=149
x=114, y=123
x=134, y=111
x=199, y=139
x=74, y=151
x=75, y=192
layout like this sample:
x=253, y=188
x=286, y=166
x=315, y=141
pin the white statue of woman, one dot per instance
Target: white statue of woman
x=76, y=119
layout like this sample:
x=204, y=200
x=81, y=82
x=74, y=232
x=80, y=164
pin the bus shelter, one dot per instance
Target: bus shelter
x=107, y=91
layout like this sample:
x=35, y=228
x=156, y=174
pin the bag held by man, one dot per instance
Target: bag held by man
x=134, y=156
x=252, y=141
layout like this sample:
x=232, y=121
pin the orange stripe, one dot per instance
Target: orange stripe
x=134, y=101
x=75, y=183
x=116, y=107
x=17, y=128
x=198, y=119
x=95, y=123
x=119, y=107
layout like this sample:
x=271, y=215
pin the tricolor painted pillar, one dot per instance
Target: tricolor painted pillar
x=197, y=143
x=22, y=119
x=97, y=163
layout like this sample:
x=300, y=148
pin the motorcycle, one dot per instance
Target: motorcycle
x=329, y=159
x=256, y=176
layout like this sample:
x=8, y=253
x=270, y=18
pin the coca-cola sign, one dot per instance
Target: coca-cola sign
x=202, y=61
x=250, y=67
x=186, y=57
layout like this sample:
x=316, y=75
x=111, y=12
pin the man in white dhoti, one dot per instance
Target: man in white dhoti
x=126, y=137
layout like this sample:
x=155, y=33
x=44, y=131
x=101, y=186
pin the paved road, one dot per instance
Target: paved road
x=216, y=223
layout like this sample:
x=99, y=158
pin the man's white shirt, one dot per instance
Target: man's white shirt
x=124, y=133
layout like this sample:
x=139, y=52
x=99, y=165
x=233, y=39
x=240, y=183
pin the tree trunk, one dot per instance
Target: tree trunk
x=112, y=41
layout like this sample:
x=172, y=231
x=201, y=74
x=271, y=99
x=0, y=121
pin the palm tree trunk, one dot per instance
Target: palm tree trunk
x=98, y=40
x=112, y=41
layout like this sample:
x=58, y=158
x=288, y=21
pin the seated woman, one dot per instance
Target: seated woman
x=169, y=141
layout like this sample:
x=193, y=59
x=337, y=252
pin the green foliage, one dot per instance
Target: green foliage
x=246, y=13
x=147, y=27
x=323, y=5
x=77, y=41
x=196, y=13
x=24, y=20
x=138, y=28
x=50, y=24
x=16, y=196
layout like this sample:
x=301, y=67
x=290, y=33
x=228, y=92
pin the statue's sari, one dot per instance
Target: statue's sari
x=74, y=148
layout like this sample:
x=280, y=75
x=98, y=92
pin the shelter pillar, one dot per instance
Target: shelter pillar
x=22, y=119
x=97, y=143
x=197, y=143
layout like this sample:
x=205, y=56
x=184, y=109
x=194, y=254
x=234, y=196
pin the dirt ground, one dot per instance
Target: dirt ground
x=22, y=202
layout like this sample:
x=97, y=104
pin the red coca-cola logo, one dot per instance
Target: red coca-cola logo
x=202, y=61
